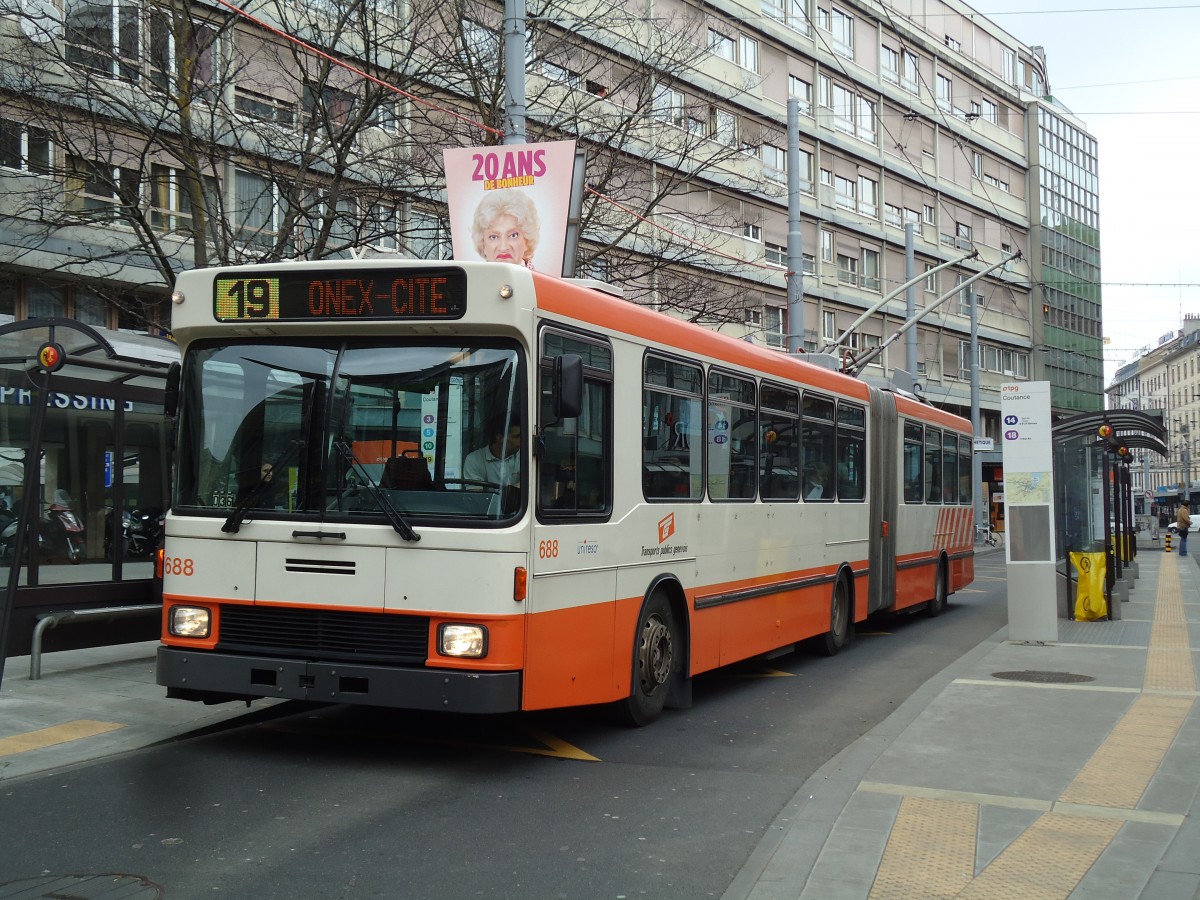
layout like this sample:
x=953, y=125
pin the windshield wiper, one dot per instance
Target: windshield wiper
x=393, y=515
x=234, y=523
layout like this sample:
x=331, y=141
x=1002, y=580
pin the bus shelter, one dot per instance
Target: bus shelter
x=1095, y=503
x=81, y=429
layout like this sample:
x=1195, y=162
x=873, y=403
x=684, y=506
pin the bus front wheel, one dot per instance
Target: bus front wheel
x=655, y=648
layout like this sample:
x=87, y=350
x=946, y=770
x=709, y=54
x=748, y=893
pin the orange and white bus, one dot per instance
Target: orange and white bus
x=475, y=488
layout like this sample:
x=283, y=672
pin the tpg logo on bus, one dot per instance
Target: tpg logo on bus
x=666, y=527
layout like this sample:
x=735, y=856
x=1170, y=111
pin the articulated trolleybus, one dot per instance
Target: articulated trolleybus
x=475, y=488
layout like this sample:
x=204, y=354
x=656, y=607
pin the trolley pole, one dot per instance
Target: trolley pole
x=795, y=239
x=514, y=71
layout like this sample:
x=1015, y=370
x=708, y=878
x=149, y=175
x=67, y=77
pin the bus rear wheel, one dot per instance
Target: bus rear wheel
x=937, y=605
x=655, y=648
x=839, y=620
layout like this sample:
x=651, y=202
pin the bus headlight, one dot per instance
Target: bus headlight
x=190, y=621
x=469, y=641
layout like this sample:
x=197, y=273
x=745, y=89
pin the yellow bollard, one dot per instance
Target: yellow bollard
x=1167, y=545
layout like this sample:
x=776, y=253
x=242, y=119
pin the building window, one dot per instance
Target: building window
x=480, y=44
x=200, y=50
x=954, y=43
x=382, y=225
x=827, y=246
x=847, y=269
x=775, y=254
x=910, y=76
x=97, y=191
x=889, y=64
x=258, y=209
x=806, y=172
x=1008, y=66
x=929, y=214
x=868, y=196
x=844, y=192
x=803, y=91
x=748, y=52
x=721, y=45
x=170, y=203
x=990, y=111
x=829, y=330
x=24, y=148
x=752, y=231
x=264, y=109
x=724, y=127
x=945, y=93
x=773, y=326
x=668, y=106
x=428, y=236
x=327, y=107
x=870, y=269
x=866, y=120
x=104, y=36
x=840, y=26
x=774, y=162
x=797, y=15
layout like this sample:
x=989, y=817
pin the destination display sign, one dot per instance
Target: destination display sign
x=438, y=292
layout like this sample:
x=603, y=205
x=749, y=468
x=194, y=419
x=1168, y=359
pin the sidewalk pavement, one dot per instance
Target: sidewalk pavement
x=1067, y=770
x=89, y=704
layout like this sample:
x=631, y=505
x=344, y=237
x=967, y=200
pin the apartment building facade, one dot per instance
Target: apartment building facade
x=140, y=139
x=1165, y=379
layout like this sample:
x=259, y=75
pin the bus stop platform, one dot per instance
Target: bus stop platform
x=1063, y=770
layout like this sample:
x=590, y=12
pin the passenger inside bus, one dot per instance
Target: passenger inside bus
x=816, y=482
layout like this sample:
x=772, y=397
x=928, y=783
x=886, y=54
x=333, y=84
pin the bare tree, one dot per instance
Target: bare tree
x=188, y=135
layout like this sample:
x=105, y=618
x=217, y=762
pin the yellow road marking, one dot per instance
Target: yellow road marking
x=55, y=734
x=763, y=673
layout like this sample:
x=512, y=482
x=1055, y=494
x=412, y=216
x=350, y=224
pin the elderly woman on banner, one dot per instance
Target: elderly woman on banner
x=506, y=227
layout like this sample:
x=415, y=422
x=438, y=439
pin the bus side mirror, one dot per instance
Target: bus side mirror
x=171, y=393
x=568, y=386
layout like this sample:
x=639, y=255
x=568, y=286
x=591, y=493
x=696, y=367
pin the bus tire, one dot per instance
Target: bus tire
x=839, y=619
x=656, y=656
x=937, y=605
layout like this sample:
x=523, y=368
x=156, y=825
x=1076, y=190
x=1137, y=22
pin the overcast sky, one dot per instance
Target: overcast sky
x=1130, y=71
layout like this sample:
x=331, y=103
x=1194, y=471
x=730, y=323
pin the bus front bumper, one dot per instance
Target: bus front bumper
x=214, y=677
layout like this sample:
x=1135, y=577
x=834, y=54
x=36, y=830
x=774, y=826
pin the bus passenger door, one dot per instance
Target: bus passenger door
x=884, y=498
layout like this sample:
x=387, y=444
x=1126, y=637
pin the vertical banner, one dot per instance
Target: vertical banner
x=1029, y=511
x=509, y=203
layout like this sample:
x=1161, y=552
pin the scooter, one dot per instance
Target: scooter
x=63, y=532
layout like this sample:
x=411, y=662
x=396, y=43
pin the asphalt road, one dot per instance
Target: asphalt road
x=344, y=802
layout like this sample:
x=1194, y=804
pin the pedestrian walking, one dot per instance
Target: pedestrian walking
x=1183, y=521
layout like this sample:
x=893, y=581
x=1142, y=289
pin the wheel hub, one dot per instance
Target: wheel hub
x=656, y=654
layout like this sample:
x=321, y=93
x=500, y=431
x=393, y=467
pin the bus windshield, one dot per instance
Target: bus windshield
x=349, y=430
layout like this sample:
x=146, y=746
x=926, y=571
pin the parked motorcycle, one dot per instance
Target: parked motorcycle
x=62, y=532
x=59, y=534
x=141, y=532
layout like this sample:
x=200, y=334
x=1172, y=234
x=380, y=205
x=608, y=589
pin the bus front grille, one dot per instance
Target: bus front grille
x=325, y=634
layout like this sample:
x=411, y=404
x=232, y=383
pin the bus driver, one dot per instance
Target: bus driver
x=498, y=462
